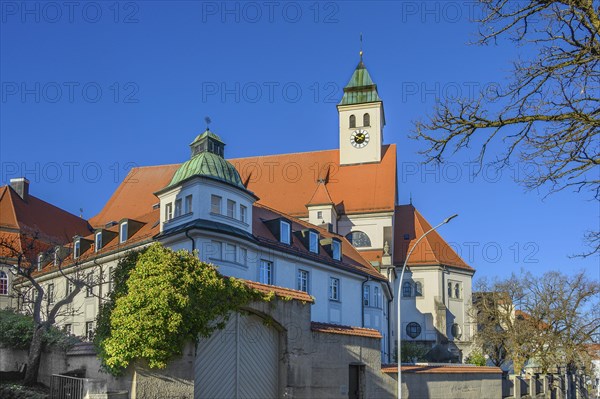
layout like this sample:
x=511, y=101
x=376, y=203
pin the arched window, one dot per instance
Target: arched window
x=456, y=331
x=406, y=289
x=359, y=239
x=352, y=121
x=3, y=283
x=413, y=329
x=418, y=289
x=366, y=120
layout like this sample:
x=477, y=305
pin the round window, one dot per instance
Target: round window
x=413, y=329
x=456, y=331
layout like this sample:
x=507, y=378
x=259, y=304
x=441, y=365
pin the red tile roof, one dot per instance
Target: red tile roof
x=288, y=181
x=433, y=249
x=440, y=369
x=321, y=195
x=351, y=258
x=344, y=330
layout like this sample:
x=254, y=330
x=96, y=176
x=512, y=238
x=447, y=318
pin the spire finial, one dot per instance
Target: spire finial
x=361, y=50
x=208, y=121
x=411, y=198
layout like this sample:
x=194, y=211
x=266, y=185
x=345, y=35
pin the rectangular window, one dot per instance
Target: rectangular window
x=215, y=204
x=231, y=208
x=56, y=257
x=376, y=298
x=70, y=287
x=334, y=289
x=178, y=209
x=320, y=215
x=243, y=213
x=230, y=252
x=40, y=262
x=367, y=295
x=68, y=328
x=98, y=241
x=216, y=250
x=188, y=204
x=243, y=256
x=336, y=248
x=284, y=232
x=313, y=244
x=266, y=272
x=449, y=290
x=50, y=293
x=302, y=280
x=89, y=289
x=89, y=330
x=168, y=211
x=77, y=249
x=123, y=233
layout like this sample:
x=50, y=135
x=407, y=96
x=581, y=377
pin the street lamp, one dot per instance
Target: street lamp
x=399, y=330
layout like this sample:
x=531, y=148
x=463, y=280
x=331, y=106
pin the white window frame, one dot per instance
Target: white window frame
x=313, y=242
x=265, y=272
x=231, y=208
x=216, y=202
x=4, y=283
x=243, y=213
x=334, y=289
x=89, y=330
x=98, y=241
x=302, y=280
x=77, y=249
x=40, y=260
x=168, y=211
x=123, y=232
x=285, y=226
x=336, y=250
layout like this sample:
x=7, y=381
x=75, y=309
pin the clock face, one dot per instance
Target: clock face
x=359, y=138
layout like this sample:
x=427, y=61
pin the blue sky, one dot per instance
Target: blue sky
x=93, y=88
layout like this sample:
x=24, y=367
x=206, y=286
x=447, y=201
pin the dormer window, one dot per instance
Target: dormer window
x=123, y=232
x=284, y=232
x=168, y=212
x=56, y=258
x=40, y=261
x=336, y=250
x=313, y=242
x=178, y=207
x=98, y=241
x=366, y=120
x=76, y=249
x=352, y=122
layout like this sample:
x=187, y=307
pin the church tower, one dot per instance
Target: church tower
x=361, y=119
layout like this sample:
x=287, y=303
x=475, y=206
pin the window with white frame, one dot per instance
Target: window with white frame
x=50, y=293
x=336, y=249
x=284, y=232
x=418, y=289
x=123, y=232
x=406, y=289
x=3, y=283
x=77, y=249
x=56, y=256
x=313, y=242
x=168, y=211
x=230, y=252
x=89, y=330
x=215, y=204
x=334, y=289
x=266, y=272
x=188, y=204
x=98, y=241
x=302, y=283
x=243, y=213
x=178, y=207
x=70, y=287
x=40, y=261
x=376, y=297
x=216, y=250
x=367, y=295
x=231, y=208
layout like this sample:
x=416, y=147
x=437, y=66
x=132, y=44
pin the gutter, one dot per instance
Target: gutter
x=187, y=234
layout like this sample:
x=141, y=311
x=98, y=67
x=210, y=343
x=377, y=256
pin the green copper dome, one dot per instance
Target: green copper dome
x=207, y=164
x=207, y=161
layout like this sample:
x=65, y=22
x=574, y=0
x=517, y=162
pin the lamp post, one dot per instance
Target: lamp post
x=399, y=329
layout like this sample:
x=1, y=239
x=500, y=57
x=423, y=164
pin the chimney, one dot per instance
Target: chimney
x=21, y=186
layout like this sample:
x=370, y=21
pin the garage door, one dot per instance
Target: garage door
x=240, y=361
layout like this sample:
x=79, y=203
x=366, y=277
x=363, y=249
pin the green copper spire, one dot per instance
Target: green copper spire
x=360, y=88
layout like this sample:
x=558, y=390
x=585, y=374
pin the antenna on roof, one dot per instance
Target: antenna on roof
x=361, y=50
x=411, y=198
x=208, y=121
x=81, y=213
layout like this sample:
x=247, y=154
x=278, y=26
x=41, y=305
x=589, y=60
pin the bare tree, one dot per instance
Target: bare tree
x=548, y=115
x=551, y=319
x=20, y=253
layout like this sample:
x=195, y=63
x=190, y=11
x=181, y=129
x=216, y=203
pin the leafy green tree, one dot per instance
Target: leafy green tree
x=170, y=298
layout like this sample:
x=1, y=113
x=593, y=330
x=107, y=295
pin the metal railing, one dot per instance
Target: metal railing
x=65, y=387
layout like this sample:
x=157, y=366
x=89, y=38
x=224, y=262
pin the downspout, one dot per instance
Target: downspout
x=187, y=234
x=362, y=299
x=389, y=325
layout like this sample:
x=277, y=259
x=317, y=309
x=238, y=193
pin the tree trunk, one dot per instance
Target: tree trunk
x=35, y=355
